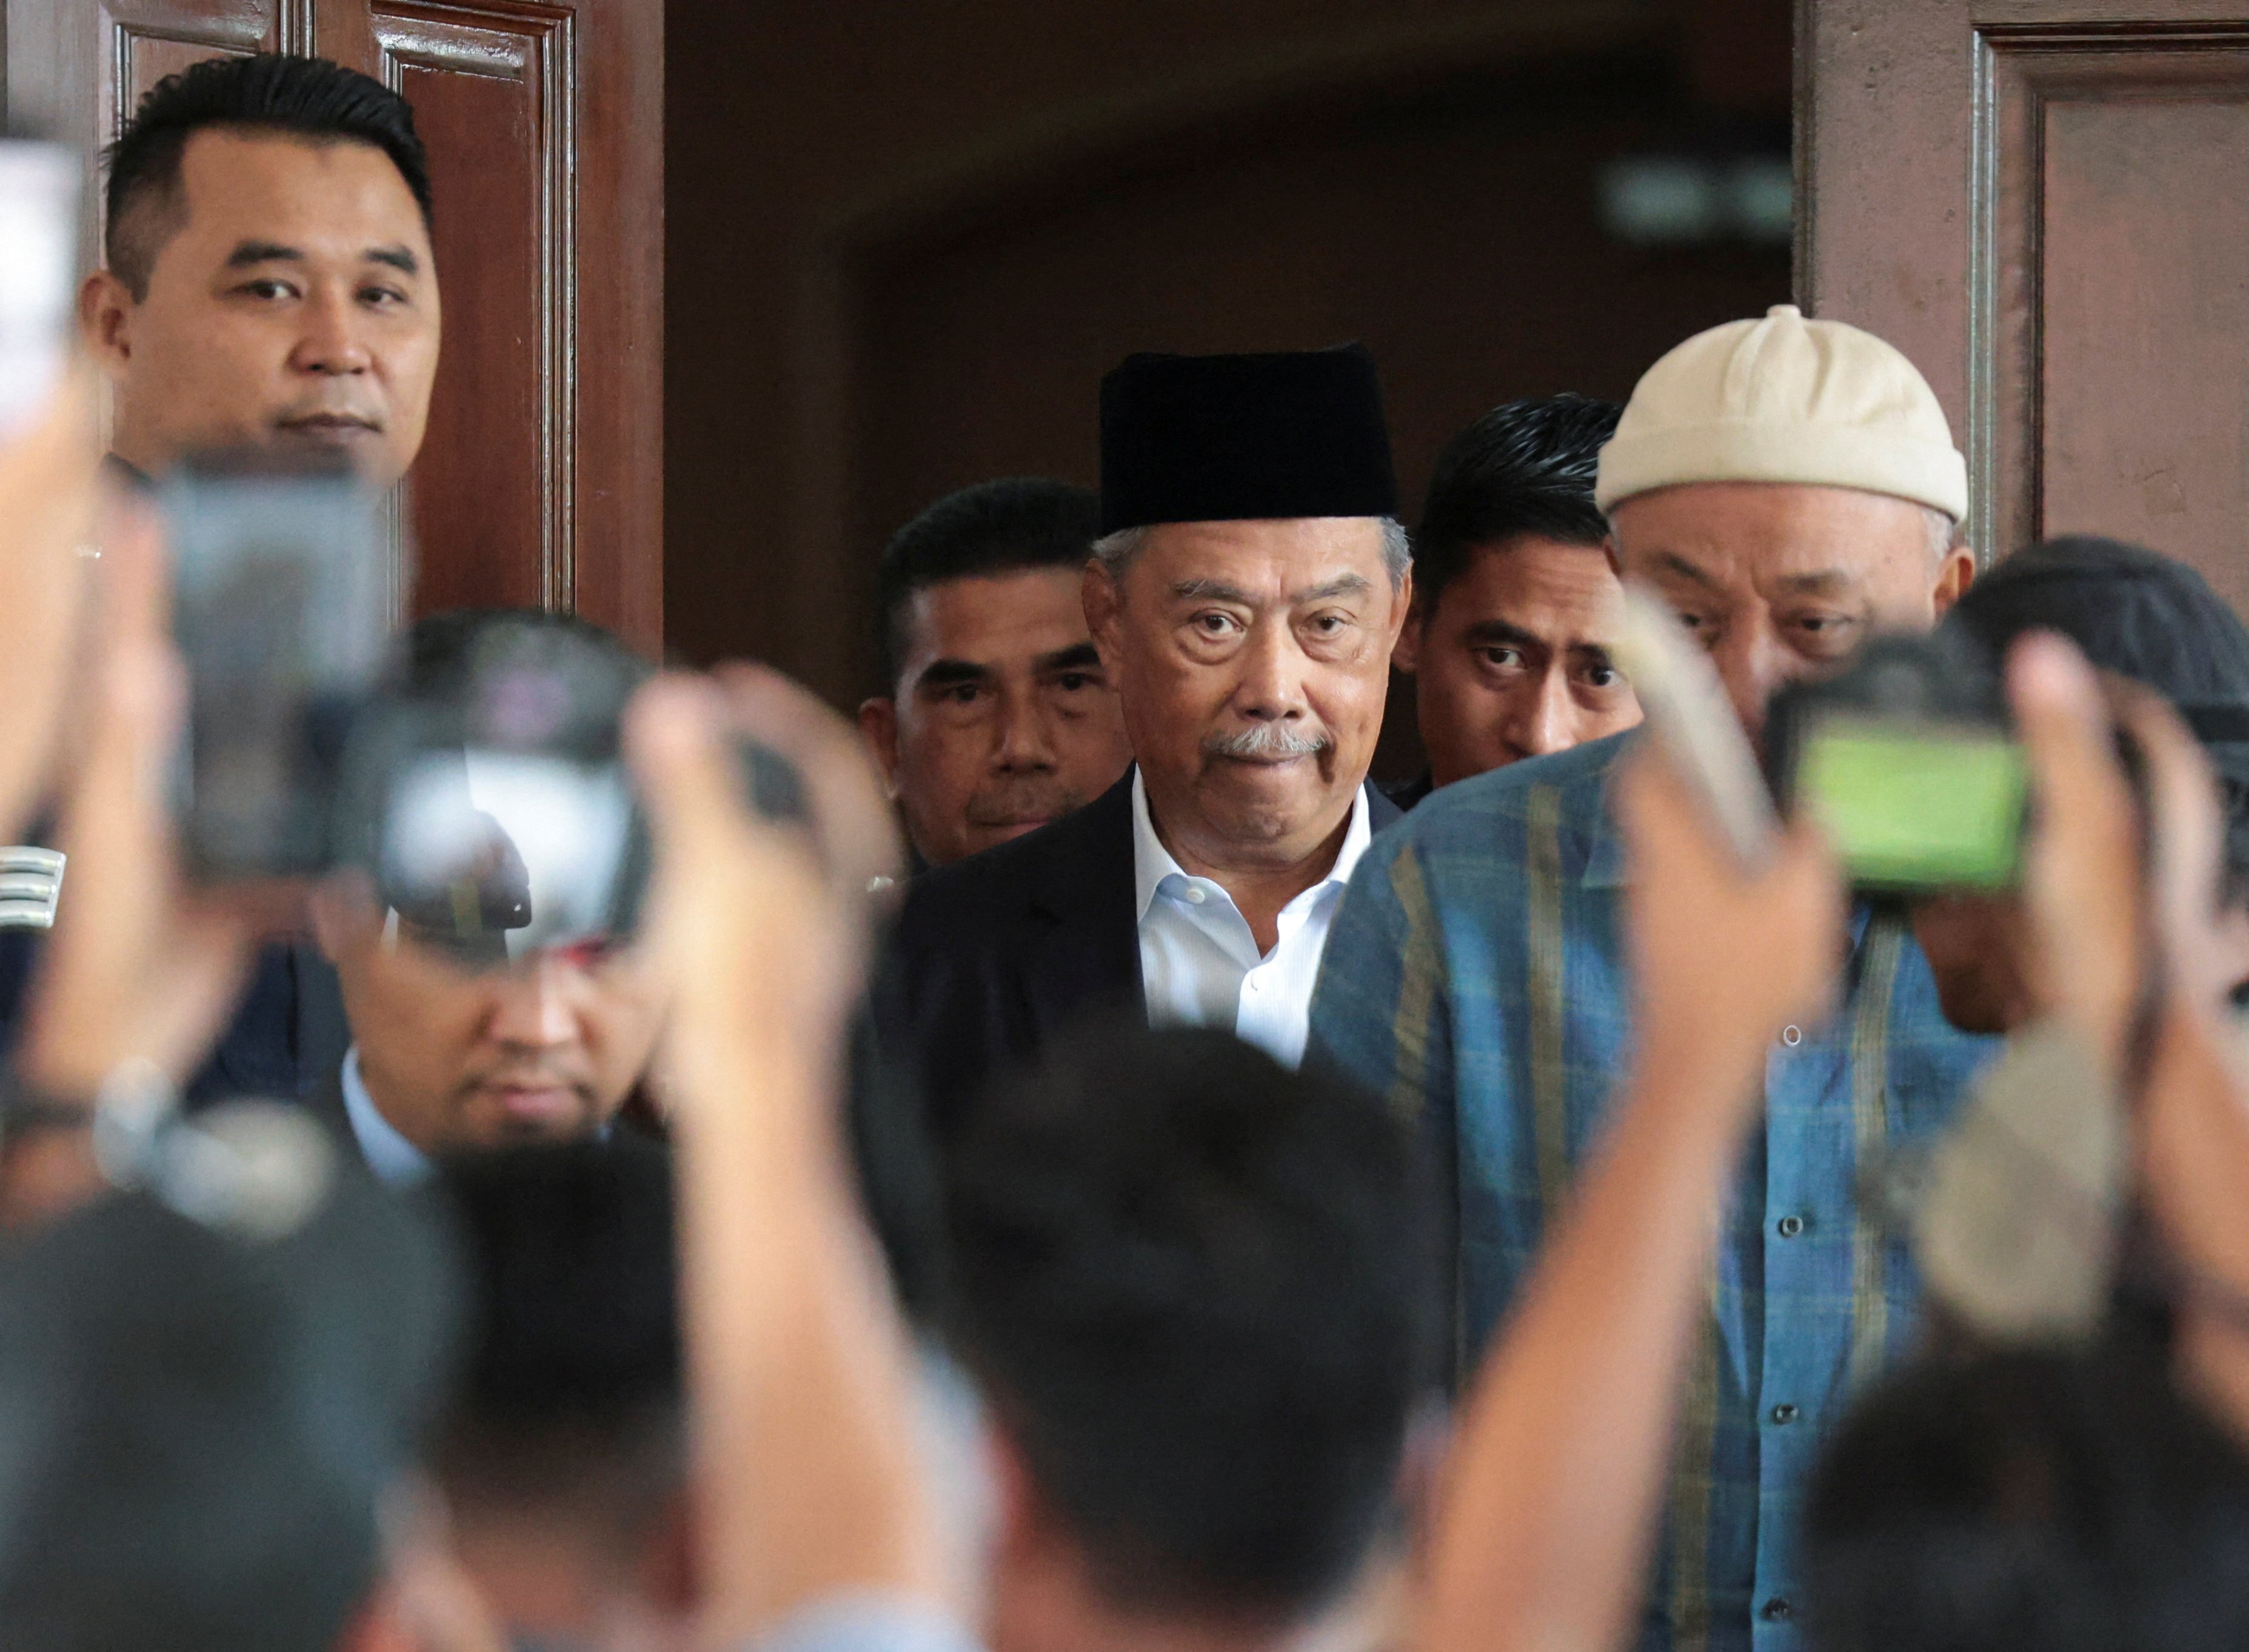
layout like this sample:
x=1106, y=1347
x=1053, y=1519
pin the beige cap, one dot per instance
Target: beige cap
x=1819, y=404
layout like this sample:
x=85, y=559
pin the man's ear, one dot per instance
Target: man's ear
x=1957, y=574
x=105, y=318
x=879, y=726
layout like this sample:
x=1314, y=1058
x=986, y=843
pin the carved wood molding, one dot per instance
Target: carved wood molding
x=535, y=45
x=2020, y=70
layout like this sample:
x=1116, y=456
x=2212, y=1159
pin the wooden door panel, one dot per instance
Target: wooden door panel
x=492, y=93
x=143, y=42
x=2040, y=203
x=2119, y=224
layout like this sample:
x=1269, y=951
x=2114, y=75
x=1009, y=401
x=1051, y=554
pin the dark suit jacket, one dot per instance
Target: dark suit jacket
x=287, y=1030
x=994, y=954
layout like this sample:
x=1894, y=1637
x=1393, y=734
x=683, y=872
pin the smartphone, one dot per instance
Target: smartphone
x=41, y=184
x=1909, y=764
x=494, y=810
x=281, y=609
x=1689, y=716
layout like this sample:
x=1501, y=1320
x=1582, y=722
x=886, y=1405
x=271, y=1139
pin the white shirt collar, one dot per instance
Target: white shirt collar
x=1153, y=863
x=396, y=1162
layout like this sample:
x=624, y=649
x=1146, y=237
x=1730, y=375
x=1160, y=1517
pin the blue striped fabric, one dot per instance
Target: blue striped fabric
x=1474, y=978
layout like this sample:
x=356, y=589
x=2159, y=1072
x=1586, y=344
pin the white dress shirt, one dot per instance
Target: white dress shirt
x=1200, y=966
x=396, y=1162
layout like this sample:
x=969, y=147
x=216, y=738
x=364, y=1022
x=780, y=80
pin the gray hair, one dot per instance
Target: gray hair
x=1115, y=551
x=1945, y=534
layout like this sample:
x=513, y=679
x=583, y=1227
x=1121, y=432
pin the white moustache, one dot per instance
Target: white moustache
x=1265, y=740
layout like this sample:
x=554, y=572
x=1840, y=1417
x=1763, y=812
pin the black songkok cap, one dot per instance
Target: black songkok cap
x=1233, y=438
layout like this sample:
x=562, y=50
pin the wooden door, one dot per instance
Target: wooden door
x=540, y=480
x=2041, y=203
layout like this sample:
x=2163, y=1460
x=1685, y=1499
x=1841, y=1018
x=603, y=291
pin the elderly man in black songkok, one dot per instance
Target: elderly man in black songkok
x=1250, y=583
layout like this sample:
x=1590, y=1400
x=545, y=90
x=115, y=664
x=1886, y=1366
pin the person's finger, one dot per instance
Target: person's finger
x=674, y=740
x=2186, y=833
x=852, y=819
x=51, y=465
x=2063, y=722
x=1658, y=814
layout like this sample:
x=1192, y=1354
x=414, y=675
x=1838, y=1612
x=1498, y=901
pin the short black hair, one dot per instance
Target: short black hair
x=2140, y=614
x=307, y=98
x=2038, y=1500
x=1525, y=467
x=993, y=527
x=571, y=1391
x=1198, y=1292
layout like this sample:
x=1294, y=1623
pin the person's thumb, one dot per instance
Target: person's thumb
x=674, y=738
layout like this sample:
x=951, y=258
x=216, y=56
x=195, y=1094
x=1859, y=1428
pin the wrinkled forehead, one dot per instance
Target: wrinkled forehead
x=992, y=619
x=1764, y=536
x=1270, y=559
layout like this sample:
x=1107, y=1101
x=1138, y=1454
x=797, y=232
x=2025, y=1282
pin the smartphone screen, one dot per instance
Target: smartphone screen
x=39, y=188
x=280, y=607
x=1909, y=806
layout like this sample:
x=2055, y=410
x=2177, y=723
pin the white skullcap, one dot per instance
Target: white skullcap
x=1819, y=404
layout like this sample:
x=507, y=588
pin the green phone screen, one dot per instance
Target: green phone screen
x=1916, y=807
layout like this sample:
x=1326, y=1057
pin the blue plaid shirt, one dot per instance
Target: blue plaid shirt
x=1475, y=978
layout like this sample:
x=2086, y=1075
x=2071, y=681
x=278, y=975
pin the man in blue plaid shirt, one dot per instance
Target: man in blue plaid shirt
x=1790, y=487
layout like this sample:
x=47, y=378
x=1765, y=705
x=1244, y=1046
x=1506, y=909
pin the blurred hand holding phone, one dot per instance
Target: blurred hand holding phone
x=280, y=609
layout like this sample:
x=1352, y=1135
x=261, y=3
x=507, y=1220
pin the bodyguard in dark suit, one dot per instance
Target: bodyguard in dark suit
x=267, y=282
x=1248, y=587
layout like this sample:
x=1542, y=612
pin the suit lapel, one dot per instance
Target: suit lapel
x=1081, y=943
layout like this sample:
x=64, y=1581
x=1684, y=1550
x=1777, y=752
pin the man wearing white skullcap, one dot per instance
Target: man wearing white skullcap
x=1791, y=485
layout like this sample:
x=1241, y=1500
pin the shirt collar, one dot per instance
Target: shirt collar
x=396, y=1162
x=1152, y=862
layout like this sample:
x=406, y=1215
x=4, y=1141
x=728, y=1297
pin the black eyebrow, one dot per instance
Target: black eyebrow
x=1078, y=657
x=249, y=252
x=952, y=673
x=1498, y=633
x=398, y=258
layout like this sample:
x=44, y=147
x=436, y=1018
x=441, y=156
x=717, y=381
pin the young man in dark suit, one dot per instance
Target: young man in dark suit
x=1250, y=585
x=267, y=282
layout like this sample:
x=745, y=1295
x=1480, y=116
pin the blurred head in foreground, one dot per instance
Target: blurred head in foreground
x=2030, y=1501
x=198, y=1418
x=561, y=1460
x=1198, y=1293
